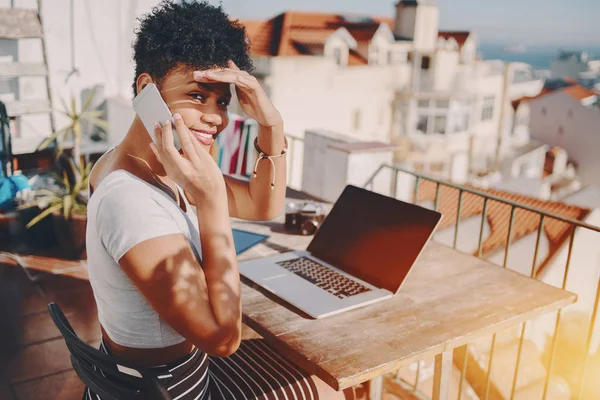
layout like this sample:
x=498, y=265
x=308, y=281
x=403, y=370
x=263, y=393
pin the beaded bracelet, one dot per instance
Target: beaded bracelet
x=262, y=155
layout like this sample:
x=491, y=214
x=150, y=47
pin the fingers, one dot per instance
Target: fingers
x=225, y=76
x=185, y=139
x=232, y=65
x=167, y=141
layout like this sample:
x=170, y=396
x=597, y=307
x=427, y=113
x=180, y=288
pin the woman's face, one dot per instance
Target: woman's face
x=203, y=106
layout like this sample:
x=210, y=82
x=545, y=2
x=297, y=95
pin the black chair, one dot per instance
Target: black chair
x=99, y=371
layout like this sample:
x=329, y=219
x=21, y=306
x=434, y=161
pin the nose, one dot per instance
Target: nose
x=212, y=118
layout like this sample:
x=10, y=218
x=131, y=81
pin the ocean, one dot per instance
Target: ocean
x=539, y=57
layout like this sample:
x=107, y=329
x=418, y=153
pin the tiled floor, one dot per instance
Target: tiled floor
x=34, y=361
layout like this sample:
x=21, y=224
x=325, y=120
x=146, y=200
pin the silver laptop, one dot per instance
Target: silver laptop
x=361, y=254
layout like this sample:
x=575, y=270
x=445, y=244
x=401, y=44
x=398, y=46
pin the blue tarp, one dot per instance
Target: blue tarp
x=9, y=187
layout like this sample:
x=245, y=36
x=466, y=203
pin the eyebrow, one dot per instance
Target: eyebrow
x=208, y=87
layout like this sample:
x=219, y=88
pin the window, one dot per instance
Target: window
x=337, y=55
x=440, y=124
x=442, y=104
x=423, y=104
x=422, y=125
x=425, y=63
x=356, y=120
x=488, y=108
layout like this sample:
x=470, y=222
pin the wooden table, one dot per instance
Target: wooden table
x=450, y=299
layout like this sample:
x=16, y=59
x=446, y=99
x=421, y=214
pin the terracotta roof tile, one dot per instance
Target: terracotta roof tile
x=290, y=33
x=498, y=216
x=579, y=92
x=460, y=36
x=356, y=59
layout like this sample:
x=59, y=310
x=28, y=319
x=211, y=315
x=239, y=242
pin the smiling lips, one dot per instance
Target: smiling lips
x=203, y=137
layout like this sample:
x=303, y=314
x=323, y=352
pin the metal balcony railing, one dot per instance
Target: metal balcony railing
x=577, y=390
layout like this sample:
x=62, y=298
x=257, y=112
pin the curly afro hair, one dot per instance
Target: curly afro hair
x=188, y=34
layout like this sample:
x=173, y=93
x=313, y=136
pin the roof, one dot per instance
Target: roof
x=460, y=36
x=295, y=33
x=579, y=92
x=575, y=90
x=498, y=216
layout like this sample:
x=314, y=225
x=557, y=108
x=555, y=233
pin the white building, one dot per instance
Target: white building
x=87, y=45
x=395, y=80
x=568, y=118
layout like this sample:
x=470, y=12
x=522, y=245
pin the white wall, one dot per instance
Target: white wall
x=469, y=50
x=581, y=131
x=314, y=93
x=522, y=82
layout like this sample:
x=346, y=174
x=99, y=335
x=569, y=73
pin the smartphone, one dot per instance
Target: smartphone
x=151, y=108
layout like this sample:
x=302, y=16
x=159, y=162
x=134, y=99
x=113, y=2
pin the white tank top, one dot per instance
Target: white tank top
x=123, y=211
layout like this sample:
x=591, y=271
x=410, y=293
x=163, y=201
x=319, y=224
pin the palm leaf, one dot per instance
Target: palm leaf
x=73, y=106
x=51, y=138
x=87, y=101
x=100, y=123
x=65, y=109
x=91, y=114
x=67, y=205
x=44, y=214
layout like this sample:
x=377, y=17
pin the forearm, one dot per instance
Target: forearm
x=219, y=261
x=268, y=201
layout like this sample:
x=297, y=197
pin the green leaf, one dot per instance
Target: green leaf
x=92, y=114
x=87, y=101
x=44, y=214
x=65, y=107
x=67, y=206
x=73, y=107
x=100, y=123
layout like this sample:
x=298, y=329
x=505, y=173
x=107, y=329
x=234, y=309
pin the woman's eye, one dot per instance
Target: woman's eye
x=198, y=96
x=224, y=103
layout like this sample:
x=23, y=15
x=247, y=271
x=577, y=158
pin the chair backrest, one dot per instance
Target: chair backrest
x=101, y=372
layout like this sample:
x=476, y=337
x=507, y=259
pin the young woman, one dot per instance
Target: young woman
x=165, y=278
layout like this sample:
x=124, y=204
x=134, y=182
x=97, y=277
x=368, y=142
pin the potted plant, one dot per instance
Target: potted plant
x=67, y=207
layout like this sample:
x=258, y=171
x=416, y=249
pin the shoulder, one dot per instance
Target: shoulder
x=122, y=193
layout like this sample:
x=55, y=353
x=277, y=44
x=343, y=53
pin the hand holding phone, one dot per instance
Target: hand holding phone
x=151, y=108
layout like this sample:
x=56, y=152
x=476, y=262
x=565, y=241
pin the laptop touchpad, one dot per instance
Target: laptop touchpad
x=261, y=271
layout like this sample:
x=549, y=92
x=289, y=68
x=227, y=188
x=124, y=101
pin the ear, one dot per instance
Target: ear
x=142, y=81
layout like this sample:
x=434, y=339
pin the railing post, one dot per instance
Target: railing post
x=442, y=374
x=558, y=316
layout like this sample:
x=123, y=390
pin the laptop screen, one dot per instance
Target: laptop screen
x=374, y=237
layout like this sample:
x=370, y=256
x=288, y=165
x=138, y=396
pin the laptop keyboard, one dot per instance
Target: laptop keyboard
x=323, y=277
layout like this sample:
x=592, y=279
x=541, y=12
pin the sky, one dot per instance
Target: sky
x=530, y=22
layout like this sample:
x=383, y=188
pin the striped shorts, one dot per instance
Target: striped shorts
x=254, y=371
